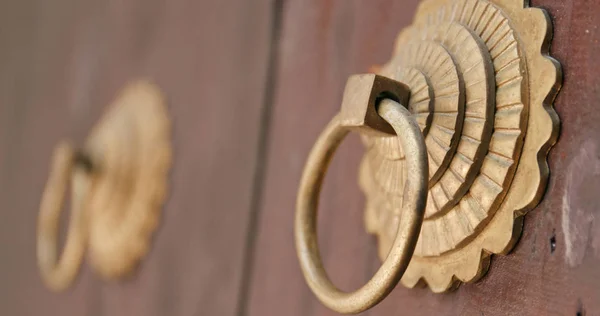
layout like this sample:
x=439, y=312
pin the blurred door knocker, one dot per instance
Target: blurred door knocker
x=118, y=186
x=457, y=127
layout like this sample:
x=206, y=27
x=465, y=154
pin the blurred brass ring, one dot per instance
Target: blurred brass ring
x=392, y=269
x=59, y=273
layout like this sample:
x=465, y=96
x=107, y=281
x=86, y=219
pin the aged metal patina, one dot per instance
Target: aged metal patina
x=481, y=90
x=370, y=106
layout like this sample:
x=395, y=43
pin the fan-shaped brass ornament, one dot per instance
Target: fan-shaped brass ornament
x=482, y=86
x=119, y=184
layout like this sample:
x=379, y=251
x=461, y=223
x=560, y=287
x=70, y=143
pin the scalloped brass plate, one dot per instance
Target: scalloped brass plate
x=131, y=148
x=482, y=86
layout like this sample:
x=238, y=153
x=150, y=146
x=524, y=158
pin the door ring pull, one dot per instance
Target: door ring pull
x=481, y=84
x=66, y=168
x=389, y=274
x=119, y=184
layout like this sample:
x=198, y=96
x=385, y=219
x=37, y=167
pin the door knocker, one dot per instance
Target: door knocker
x=478, y=84
x=118, y=186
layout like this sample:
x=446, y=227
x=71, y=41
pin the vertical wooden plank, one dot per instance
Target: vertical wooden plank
x=550, y=272
x=36, y=43
x=322, y=42
x=64, y=63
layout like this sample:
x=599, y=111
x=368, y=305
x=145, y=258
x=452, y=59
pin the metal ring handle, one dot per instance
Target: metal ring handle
x=391, y=271
x=57, y=273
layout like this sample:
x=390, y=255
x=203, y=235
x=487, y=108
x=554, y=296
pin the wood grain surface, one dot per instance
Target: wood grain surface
x=61, y=63
x=245, y=118
x=554, y=268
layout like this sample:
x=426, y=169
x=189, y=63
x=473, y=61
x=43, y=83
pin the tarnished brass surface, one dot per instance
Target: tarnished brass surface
x=481, y=90
x=360, y=101
x=119, y=183
x=482, y=86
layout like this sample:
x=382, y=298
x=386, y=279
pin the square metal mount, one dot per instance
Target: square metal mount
x=361, y=97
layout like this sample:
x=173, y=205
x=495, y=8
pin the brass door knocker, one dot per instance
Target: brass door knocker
x=478, y=84
x=118, y=182
x=359, y=112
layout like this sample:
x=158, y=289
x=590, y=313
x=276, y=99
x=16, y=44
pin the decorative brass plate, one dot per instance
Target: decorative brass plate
x=119, y=184
x=482, y=86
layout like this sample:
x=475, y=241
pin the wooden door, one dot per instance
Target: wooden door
x=250, y=85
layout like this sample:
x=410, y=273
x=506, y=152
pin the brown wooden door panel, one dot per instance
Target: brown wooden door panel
x=325, y=41
x=322, y=43
x=245, y=118
x=61, y=63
